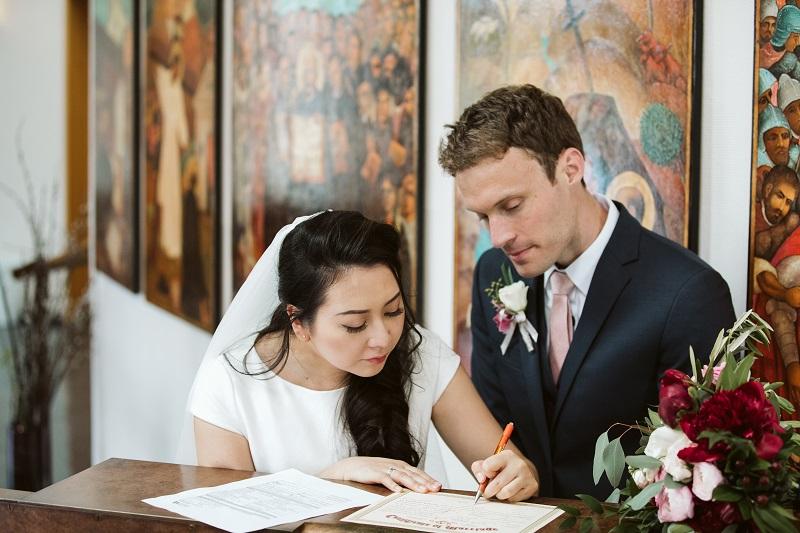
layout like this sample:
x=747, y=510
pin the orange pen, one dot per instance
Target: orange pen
x=500, y=446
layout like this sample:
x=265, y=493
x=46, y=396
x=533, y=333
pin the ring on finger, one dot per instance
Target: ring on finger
x=390, y=470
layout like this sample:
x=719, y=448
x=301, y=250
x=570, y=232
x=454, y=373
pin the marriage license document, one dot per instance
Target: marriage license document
x=455, y=513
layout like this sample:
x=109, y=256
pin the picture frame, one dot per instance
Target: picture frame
x=327, y=115
x=180, y=147
x=774, y=251
x=114, y=29
x=628, y=73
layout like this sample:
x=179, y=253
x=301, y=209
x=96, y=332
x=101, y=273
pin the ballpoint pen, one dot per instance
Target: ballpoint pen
x=500, y=446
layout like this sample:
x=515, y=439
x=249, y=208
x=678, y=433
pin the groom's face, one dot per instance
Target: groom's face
x=529, y=217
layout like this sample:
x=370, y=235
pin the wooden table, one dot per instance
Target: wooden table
x=107, y=497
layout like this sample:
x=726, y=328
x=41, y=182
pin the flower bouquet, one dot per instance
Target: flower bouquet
x=715, y=457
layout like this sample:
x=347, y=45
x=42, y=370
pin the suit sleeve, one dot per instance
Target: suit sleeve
x=484, y=354
x=700, y=310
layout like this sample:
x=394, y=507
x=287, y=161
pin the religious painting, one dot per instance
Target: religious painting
x=180, y=162
x=113, y=137
x=774, y=252
x=326, y=100
x=626, y=72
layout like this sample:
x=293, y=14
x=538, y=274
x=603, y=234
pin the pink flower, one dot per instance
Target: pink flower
x=675, y=505
x=503, y=321
x=717, y=371
x=706, y=477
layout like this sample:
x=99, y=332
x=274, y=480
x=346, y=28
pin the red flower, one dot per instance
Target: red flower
x=699, y=453
x=745, y=412
x=769, y=445
x=673, y=396
x=713, y=517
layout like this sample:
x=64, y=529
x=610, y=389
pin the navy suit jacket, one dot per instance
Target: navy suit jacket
x=649, y=300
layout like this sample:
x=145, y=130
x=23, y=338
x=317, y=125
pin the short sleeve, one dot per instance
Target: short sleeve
x=214, y=396
x=439, y=363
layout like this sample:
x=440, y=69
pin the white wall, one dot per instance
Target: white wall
x=144, y=359
x=32, y=81
x=32, y=95
x=726, y=141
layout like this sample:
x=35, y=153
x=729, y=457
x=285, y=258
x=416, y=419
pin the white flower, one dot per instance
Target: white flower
x=514, y=297
x=706, y=478
x=675, y=466
x=661, y=440
x=644, y=476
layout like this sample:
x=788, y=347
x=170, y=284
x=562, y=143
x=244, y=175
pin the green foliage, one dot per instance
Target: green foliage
x=759, y=488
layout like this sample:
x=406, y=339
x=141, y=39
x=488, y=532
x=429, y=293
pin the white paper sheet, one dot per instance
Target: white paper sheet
x=455, y=513
x=264, y=501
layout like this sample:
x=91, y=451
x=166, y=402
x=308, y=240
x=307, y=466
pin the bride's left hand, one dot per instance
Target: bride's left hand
x=391, y=473
x=513, y=478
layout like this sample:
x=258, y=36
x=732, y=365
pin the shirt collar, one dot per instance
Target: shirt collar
x=581, y=270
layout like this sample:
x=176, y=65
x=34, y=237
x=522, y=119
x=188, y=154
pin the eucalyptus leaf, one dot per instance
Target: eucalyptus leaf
x=714, y=354
x=734, y=345
x=725, y=493
x=785, y=404
x=568, y=523
x=614, y=496
x=587, y=525
x=614, y=461
x=742, y=374
x=679, y=528
x=643, y=498
x=671, y=483
x=599, y=449
x=778, y=509
x=570, y=510
x=591, y=502
x=655, y=420
x=727, y=376
x=767, y=520
x=642, y=461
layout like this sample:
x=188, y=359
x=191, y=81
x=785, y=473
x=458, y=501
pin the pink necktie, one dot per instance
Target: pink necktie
x=560, y=324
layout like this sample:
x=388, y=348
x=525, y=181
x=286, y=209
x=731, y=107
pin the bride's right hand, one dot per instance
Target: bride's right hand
x=392, y=474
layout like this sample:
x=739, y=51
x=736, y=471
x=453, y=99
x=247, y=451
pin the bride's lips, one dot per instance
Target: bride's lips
x=377, y=360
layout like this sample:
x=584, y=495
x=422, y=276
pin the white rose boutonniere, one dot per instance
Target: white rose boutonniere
x=510, y=298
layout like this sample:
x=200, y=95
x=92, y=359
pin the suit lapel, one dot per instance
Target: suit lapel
x=531, y=369
x=610, y=278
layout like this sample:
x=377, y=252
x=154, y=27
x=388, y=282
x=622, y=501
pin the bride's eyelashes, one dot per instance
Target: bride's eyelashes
x=358, y=329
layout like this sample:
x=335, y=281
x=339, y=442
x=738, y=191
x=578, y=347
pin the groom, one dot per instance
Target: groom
x=614, y=305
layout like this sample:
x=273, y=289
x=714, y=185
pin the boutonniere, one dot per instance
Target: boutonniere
x=510, y=298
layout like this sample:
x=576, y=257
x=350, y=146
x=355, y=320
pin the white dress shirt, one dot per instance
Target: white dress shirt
x=581, y=270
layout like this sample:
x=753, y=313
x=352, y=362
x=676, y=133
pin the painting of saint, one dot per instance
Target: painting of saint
x=774, y=258
x=116, y=198
x=625, y=72
x=180, y=157
x=325, y=116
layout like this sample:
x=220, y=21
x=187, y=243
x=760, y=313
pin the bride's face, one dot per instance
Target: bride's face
x=360, y=321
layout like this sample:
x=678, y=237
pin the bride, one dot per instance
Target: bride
x=340, y=382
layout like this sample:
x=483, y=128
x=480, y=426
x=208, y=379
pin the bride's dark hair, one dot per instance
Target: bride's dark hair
x=312, y=257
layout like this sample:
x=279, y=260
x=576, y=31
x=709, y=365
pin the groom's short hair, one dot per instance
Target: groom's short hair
x=516, y=116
